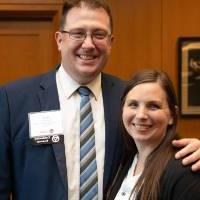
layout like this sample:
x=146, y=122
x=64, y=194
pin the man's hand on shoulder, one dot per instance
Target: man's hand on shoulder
x=190, y=152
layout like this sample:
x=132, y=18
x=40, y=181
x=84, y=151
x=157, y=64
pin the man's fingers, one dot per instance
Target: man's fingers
x=196, y=166
x=193, y=147
x=194, y=157
x=190, y=152
x=183, y=142
x=185, y=151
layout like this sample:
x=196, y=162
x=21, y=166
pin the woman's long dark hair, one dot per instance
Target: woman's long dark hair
x=147, y=186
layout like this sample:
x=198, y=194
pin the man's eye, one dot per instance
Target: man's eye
x=78, y=34
x=99, y=35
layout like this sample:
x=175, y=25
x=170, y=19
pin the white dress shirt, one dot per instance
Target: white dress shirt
x=70, y=109
x=128, y=184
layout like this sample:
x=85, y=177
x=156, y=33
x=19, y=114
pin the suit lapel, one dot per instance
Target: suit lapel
x=48, y=97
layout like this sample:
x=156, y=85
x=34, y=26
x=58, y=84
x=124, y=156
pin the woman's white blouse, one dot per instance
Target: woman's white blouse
x=125, y=191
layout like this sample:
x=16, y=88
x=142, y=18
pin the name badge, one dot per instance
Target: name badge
x=46, y=127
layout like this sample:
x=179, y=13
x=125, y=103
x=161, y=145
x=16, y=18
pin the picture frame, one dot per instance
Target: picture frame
x=189, y=76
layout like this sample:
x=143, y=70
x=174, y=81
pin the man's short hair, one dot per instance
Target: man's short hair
x=69, y=4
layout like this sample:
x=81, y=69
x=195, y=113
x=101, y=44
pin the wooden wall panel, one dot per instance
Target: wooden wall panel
x=180, y=19
x=24, y=48
x=16, y=2
x=27, y=39
x=137, y=31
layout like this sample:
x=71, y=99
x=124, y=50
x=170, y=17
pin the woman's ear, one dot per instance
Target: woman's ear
x=177, y=110
x=171, y=121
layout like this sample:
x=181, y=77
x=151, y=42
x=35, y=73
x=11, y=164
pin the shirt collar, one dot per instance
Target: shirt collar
x=69, y=86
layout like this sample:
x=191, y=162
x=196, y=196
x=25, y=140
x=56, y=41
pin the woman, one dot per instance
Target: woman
x=148, y=170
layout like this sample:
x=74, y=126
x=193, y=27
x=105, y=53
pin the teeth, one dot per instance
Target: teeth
x=142, y=126
x=86, y=57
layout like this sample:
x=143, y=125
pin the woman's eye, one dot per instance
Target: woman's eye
x=154, y=106
x=133, y=105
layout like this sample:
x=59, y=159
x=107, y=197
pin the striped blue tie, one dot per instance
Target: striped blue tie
x=88, y=165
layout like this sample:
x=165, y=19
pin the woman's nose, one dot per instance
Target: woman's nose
x=141, y=112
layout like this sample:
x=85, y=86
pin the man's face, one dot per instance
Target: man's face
x=84, y=59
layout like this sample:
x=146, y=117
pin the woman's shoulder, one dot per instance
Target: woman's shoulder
x=179, y=182
x=175, y=168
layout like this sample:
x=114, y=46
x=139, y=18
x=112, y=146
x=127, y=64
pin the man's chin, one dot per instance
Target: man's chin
x=89, y=70
x=87, y=76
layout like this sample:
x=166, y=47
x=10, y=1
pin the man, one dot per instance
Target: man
x=36, y=161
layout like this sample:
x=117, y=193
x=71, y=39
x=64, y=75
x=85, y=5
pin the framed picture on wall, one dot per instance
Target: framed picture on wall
x=189, y=76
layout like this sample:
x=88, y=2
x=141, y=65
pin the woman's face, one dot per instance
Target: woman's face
x=146, y=113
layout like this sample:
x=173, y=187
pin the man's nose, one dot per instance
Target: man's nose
x=88, y=42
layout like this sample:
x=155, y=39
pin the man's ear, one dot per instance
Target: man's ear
x=58, y=38
x=111, y=39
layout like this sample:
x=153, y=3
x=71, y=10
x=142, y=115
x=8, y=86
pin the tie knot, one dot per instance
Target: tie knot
x=84, y=91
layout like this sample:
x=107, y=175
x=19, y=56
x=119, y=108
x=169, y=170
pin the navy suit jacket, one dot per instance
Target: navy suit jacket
x=38, y=172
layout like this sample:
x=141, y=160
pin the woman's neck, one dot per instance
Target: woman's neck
x=139, y=167
x=143, y=153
